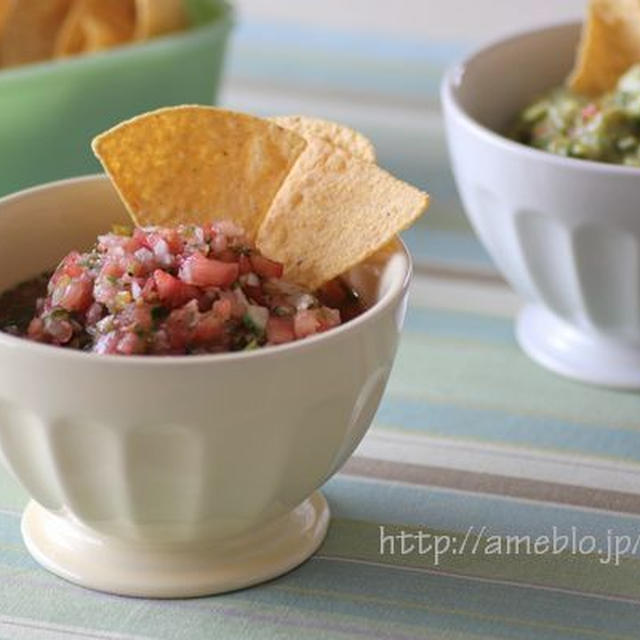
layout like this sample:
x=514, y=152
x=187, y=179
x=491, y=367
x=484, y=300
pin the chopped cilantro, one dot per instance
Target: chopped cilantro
x=251, y=325
x=282, y=311
x=59, y=314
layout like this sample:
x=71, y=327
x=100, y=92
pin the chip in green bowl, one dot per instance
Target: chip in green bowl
x=50, y=111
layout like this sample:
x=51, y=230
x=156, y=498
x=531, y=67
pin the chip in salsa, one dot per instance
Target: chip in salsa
x=178, y=282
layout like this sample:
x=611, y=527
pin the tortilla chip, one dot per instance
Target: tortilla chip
x=5, y=5
x=337, y=134
x=155, y=17
x=334, y=211
x=30, y=30
x=94, y=25
x=193, y=164
x=609, y=45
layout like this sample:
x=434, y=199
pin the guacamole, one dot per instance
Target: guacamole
x=605, y=129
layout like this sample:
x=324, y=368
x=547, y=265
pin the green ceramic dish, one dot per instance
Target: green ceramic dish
x=49, y=112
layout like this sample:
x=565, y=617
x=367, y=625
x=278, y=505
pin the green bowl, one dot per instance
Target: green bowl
x=49, y=112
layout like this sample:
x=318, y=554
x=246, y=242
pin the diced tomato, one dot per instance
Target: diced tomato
x=266, y=268
x=223, y=309
x=333, y=293
x=131, y=344
x=180, y=325
x=328, y=318
x=141, y=239
x=112, y=269
x=141, y=318
x=70, y=266
x=256, y=294
x=136, y=269
x=244, y=264
x=173, y=240
x=310, y=321
x=280, y=330
x=209, y=327
x=58, y=329
x=203, y=272
x=172, y=291
x=150, y=291
x=227, y=255
x=238, y=308
x=78, y=295
x=305, y=323
x=94, y=313
x=36, y=329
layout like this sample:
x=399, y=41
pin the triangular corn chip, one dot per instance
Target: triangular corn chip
x=610, y=44
x=155, y=17
x=94, y=25
x=195, y=164
x=30, y=30
x=5, y=6
x=334, y=211
x=337, y=134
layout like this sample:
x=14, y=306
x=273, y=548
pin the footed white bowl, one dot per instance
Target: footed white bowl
x=564, y=232
x=179, y=476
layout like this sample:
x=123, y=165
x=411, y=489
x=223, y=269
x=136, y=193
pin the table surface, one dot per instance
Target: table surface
x=473, y=442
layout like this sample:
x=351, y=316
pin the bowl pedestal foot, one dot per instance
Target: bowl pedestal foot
x=158, y=570
x=567, y=350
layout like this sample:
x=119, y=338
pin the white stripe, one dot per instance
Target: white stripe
x=29, y=629
x=423, y=19
x=578, y=471
x=457, y=295
x=365, y=112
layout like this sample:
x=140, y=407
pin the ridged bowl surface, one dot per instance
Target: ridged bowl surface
x=181, y=450
x=564, y=232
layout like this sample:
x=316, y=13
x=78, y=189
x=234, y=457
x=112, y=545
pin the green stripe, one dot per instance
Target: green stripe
x=472, y=374
x=541, y=435
x=12, y=496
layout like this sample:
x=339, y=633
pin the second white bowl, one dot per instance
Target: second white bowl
x=564, y=232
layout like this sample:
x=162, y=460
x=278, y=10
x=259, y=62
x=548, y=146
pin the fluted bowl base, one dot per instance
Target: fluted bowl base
x=90, y=559
x=567, y=350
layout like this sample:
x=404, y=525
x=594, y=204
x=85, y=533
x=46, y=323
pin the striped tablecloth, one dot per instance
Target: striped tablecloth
x=527, y=485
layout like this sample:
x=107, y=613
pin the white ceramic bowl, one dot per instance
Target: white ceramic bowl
x=564, y=232
x=179, y=476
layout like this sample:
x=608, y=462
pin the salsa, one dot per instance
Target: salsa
x=172, y=291
x=605, y=129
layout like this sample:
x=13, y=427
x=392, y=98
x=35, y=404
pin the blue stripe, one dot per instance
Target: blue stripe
x=374, y=46
x=501, y=428
x=465, y=326
x=446, y=247
x=308, y=57
x=382, y=502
